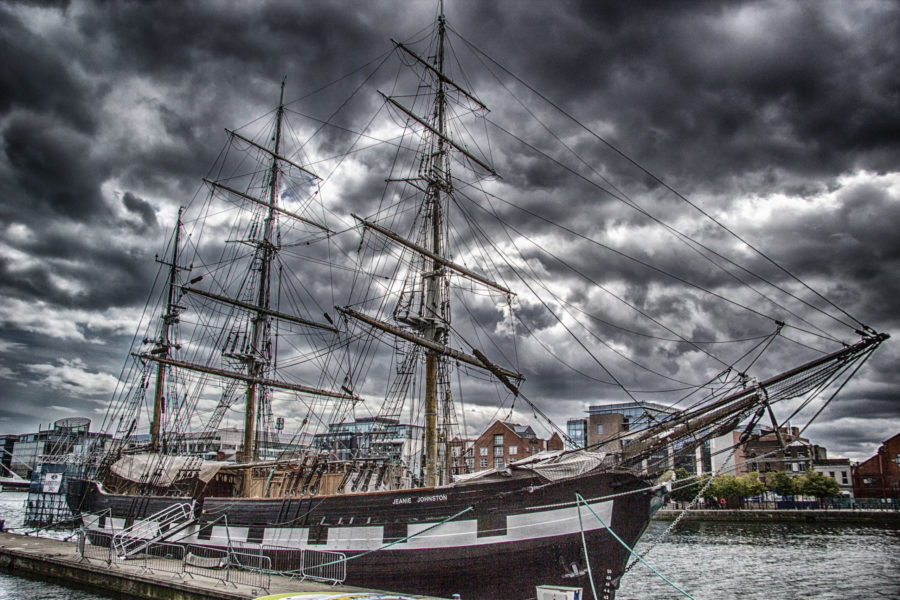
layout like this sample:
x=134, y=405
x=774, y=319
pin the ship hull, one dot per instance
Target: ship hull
x=494, y=540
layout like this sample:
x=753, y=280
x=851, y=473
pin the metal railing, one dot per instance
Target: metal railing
x=148, y=530
x=234, y=566
x=206, y=562
x=325, y=566
x=165, y=557
x=251, y=569
x=91, y=547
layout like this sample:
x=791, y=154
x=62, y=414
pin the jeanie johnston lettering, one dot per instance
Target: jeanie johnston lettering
x=421, y=499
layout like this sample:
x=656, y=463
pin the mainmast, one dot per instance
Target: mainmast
x=256, y=361
x=438, y=177
x=422, y=311
x=164, y=343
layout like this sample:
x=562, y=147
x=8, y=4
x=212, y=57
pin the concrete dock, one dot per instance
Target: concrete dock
x=49, y=559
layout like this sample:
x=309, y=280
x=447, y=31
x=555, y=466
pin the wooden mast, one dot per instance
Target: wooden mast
x=259, y=330
x=164, y=342
x=435, y=329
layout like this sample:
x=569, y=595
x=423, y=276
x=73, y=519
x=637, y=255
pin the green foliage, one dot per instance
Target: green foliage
x=726, y=486
x=690, y=490
x=744, y=486
x=752, y=485
x=819, y=485
x=781, y=483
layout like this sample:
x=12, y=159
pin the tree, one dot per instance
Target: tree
x=751, y=485
x=737, y=488
x=819, y=485
x=726, y=486
x=781, y=483
x=683, y=490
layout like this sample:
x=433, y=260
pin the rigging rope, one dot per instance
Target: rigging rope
x=657, y=179
x=581, y=500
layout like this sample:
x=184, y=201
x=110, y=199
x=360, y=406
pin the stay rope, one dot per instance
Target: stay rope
x=581, y=501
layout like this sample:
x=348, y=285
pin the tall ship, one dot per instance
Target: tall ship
x=280, y=311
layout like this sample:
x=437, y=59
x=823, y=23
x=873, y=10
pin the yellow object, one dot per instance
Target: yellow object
x=330, y=596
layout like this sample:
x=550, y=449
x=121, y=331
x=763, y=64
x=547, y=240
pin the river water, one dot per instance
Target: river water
x=708, y=560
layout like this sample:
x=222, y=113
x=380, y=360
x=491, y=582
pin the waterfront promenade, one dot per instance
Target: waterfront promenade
x=60, y=561
x=834, y=515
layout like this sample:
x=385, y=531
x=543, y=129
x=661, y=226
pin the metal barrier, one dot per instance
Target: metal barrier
x=166, y=558
x=138, y=560
x=206, y=562
x=322, y=565
x=237, y=567
x=285, y=559
x=91, y=547
x=251, y=569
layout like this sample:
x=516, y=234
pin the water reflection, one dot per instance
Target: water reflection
x=714, y=560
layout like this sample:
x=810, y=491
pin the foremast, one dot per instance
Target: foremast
x=251, y=363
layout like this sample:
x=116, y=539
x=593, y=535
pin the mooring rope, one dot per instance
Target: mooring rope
x=587, y=560
x=581, y=500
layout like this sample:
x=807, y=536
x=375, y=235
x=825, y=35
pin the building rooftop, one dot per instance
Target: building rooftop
x=618, y=407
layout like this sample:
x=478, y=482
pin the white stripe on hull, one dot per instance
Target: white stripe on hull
x=535, y=524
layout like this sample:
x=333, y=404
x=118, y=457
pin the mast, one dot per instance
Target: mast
x=256, y=361
x=164, y=342
x=434, y=330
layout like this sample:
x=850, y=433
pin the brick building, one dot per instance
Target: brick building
x=503, y=443
x=765, y=453
x=462, y=459
x=879, y=476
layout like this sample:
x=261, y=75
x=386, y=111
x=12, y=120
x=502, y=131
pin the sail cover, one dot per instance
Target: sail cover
x=166, y=469
x=552, y=465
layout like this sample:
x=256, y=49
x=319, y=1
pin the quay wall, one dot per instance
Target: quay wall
x=874, y=517
x=49, y=567
x=48, y=559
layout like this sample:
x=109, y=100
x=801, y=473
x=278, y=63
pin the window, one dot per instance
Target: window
x=498, y=462
x=513, y=450
x=844, y=477
x=599, y=429
x=498, y=439
x=831, y=474
x=482, y=452
x=484, y=461
x=454, y=451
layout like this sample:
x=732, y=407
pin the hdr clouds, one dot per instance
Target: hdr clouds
x=778, y=118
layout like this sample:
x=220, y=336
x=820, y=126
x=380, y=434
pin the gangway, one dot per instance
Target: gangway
x=155, y=528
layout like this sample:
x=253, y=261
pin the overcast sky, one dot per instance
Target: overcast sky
x=780, y=118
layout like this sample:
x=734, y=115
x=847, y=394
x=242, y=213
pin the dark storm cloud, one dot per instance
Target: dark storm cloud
x=53, y=169
x=110, y=112
x=704, y=92
x=140, y=207
x=35, y=77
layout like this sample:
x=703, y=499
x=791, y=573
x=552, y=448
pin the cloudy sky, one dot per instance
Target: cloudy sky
x=781, y=119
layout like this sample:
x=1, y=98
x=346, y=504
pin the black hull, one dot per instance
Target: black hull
x=510, y=536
